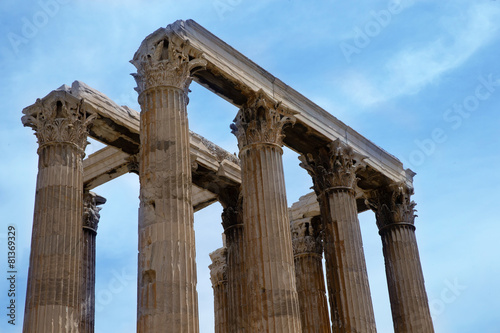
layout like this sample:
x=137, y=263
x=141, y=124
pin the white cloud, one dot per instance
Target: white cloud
x=413, y=68
x=416, y=66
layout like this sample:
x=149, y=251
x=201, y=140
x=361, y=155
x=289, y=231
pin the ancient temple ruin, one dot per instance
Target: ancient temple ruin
x=269, y=275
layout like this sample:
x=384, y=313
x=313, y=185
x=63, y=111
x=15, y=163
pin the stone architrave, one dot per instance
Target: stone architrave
x=307, y=251
x=167, y=297
x=232, y=221
x=218, y=276
x=53, y=293
x=90, y=222
x=333, y=170
x=395, y=213
x=270, y=273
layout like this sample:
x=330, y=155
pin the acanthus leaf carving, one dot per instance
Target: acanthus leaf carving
x=91, y=214
x=392, y=205
x=232, y=201
x=261, y=120
x=333, y=166
x=306, y=237
x=165, y=59
x=59, y=120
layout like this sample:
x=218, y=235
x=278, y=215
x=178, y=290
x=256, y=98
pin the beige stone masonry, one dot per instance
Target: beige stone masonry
x=230, y=74
x=395, y=214
x=333, y=170
x=268, y=277
x=307, y=251
x=218, y=276
x=87, y=293
x=268, y=253
x=232, y=221
x=167, y=297
x=110, y=163
x=53, y=292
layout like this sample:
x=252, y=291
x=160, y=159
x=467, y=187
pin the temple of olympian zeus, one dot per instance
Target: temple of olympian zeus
x=269, y=276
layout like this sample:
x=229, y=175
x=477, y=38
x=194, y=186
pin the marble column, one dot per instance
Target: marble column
x=307, y=251
x=167, y=296
x=273, y=301
x=395, y=213
x=218, y=276
x=333, y=170
x=232, y=221
x=53, y=293
x=90, y=221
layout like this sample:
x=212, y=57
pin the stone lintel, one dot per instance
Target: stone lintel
x=110, y=163
x=118, y=127
x=231, y=75
x=115, y=125
x=104, y=165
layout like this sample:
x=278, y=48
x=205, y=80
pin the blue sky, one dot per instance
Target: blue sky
x=418, y=78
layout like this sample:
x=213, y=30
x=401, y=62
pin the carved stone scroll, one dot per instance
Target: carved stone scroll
x=395, y=213
x=53, y=294
x=333, y=170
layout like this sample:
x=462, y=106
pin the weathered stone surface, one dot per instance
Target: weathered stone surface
x=91, y=217
x=307, y=251
x=165, y=60
x=395, y=212
x=54, y=276
x=273, y=301
x=231, y=75
x=115, y=125
x=180, y=171
x=110, y=163
x=167, y=297
x=232, y=221
x=218, y=276
x=333, y=171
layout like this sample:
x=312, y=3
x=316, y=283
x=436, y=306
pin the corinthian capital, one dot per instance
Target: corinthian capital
x=218, y=268
x=91, y=214
x=306, y=237
x=332, y=166
x=165, y=59
x=261, y=120
x=392, y=205
x=59, y=119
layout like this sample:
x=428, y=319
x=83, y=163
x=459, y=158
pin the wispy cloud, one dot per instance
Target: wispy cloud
x=415, y=66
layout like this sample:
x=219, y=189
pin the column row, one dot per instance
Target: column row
x=272, y=270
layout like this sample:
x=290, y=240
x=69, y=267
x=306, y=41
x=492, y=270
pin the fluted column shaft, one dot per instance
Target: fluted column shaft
x=167, y=297
x=350, y=298
x=333, y=171
x=53, y=291
x=218, y=275
x=90, y=222
x=268, y=250
x=236, y=276
x=395, y=219
x=307, y=250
